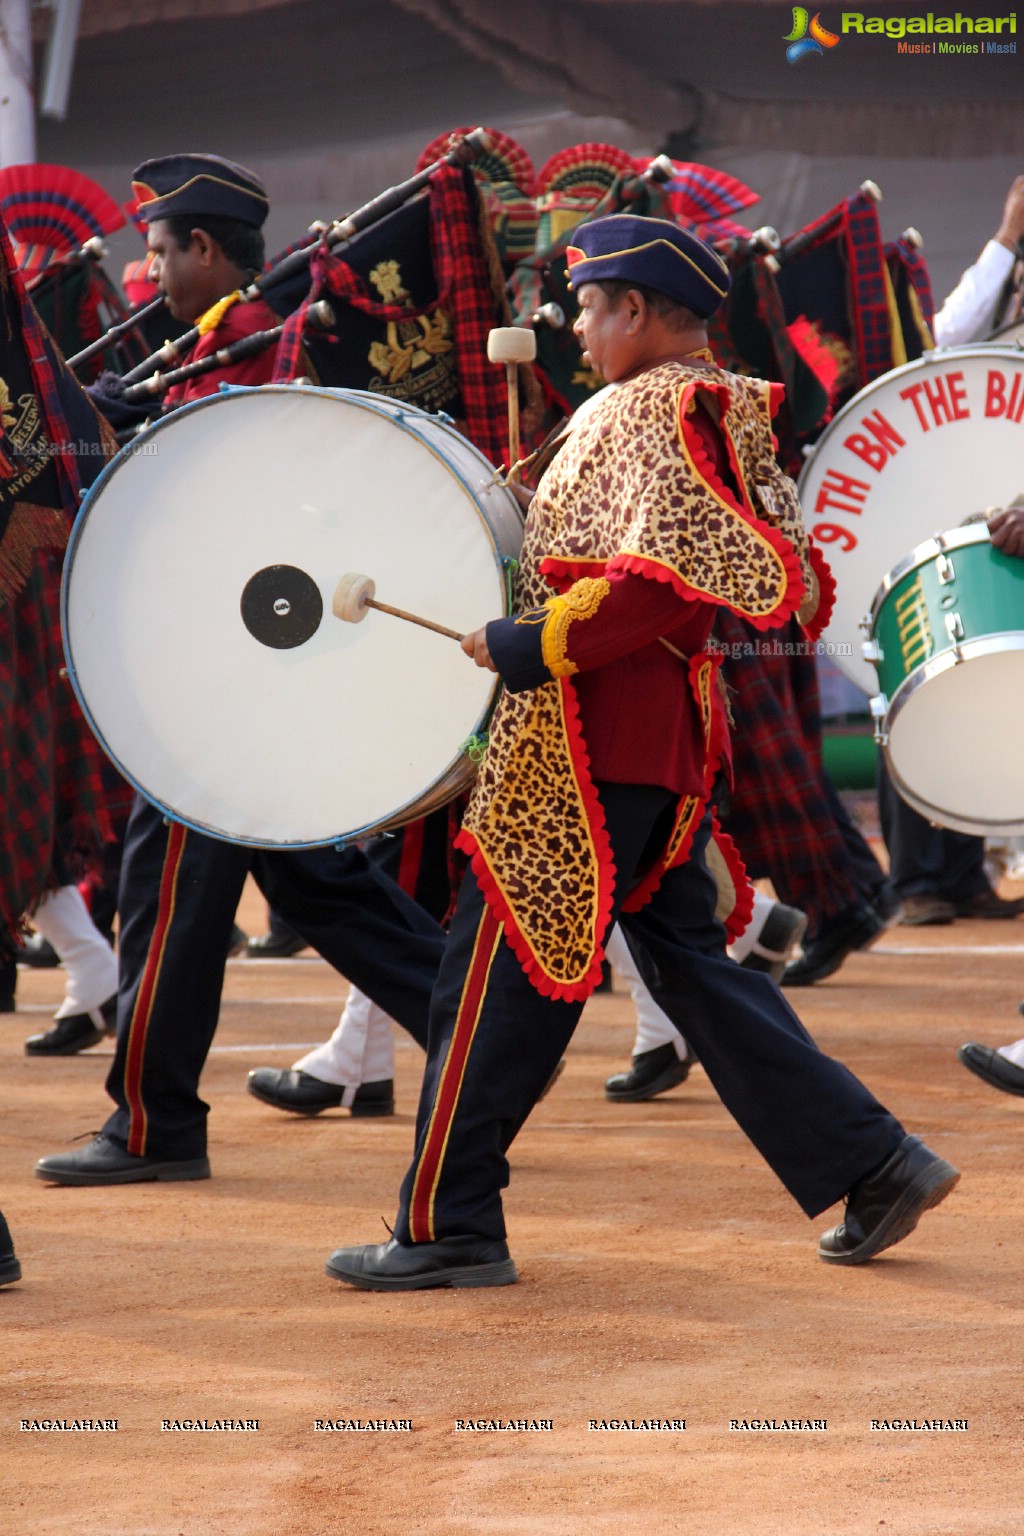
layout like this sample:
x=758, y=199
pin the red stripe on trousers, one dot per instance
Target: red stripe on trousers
x=474, y=991
x=138, y=1029
x=411, y=858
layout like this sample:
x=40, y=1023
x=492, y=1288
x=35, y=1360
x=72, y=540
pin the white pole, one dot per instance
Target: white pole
x=17, y=106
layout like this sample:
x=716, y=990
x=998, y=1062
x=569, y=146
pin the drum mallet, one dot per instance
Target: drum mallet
x=512, y=345
x=354, y=595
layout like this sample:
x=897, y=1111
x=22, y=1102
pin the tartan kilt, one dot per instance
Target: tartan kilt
x=778, y=811
x=55, y=786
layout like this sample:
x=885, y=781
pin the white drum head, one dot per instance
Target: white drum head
x=914, y=454
x=251, y=736
x=956, y=743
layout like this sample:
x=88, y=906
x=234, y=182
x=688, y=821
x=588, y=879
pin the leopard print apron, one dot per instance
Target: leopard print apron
x=630, y=490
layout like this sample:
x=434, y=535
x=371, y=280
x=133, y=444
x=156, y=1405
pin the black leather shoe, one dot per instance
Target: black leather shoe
x=304, y=1094
x=987, y=904
x=38, y=953
x=885, y=1207
x=783, y=929
x=460, y=1262
x=856, y=929
x=275, y=946
x=75, y=1033
x=652, y=1072
x=992, y=1068
x=104, y=1162
x=10, y=1269
x=886, y=905
x=926, y=910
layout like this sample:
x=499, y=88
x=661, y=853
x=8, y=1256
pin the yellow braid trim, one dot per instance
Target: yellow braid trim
x=581, y=601
x=215, y=314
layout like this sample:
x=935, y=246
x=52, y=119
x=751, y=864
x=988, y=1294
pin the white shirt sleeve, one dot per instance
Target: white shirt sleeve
x=967, y=313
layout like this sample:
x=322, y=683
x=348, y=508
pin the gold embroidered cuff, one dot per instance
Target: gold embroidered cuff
x=581, y=601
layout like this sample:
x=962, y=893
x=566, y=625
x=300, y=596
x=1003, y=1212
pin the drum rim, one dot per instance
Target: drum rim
x=1016, y=345
x=929, y=549
x=985, y=645
x=395, y=411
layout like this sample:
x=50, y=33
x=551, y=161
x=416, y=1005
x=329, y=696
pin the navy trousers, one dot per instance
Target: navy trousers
x=494, y=1042
x=178, y=896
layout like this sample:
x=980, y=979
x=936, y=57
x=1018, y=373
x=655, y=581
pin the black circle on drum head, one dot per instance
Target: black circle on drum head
x=281, y=607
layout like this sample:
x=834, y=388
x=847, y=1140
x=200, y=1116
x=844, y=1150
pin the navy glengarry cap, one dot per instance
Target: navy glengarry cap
x=193, y=185
x=653, y=254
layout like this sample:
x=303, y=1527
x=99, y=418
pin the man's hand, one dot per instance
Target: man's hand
x=1011, y=230
x=475, y=645
x=1006, y=528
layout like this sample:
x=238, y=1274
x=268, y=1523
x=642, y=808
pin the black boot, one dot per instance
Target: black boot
x=652, y=1072
x=10, y=1269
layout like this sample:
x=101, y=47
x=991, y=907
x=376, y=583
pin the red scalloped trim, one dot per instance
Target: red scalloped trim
x=641, y=565
x=561, y=574
x=716, y=749
x=641, y=894
x=743, y=910
x=702, y=464
x=716, y=722
x=775, y=398
x=817, y=625
x=547, y=986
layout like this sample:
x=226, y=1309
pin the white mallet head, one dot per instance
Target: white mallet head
x=350, y=597
x=511, y=344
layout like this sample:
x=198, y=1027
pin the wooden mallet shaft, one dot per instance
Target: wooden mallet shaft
x=355, y=593
x=412, y=618
x=512, y=345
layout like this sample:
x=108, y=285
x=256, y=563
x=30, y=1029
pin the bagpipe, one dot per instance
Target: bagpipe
x=284, y=284
x=476, y=237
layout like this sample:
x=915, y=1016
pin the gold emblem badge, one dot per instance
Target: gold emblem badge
x=410, y=344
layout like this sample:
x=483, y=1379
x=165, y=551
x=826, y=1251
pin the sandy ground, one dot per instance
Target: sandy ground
x=664, y=1275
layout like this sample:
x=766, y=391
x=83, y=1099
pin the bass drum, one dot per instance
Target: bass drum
x=197, y=612
x=919, y=450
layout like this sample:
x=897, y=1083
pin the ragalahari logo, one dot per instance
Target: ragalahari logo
x=808, y=35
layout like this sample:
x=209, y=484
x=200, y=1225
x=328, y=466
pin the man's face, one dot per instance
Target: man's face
x=180, y=275
x=608, y=331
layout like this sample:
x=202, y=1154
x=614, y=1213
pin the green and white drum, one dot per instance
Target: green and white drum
x=947, y=639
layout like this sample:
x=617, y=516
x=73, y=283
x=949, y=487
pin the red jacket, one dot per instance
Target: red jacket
x=242, y=319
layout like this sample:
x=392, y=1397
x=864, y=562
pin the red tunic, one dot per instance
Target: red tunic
x=625, y=675
x=240, y=320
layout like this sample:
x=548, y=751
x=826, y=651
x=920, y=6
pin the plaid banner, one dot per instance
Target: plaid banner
x=77, y=303
x=750, y=335
x=505, y=180
x=833, y=275
x=52, y=446
x=912, y=289
x=778, y=808
x=424, y=338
